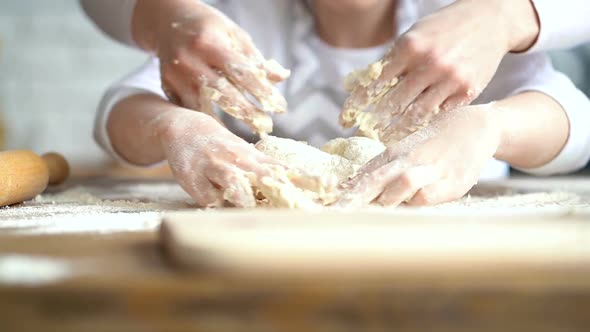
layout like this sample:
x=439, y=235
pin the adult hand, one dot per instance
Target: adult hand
x=433, y=165
x=206, y=58
x=444, y=61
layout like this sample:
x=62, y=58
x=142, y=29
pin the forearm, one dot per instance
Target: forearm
x=150, y=16
x=534, y=127
x=522, y=21
x=113, y=17
x=139, y=125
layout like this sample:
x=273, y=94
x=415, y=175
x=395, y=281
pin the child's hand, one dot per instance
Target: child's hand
x=444, y=61
x=210, y=163
x=433, y=165
x=206, y=58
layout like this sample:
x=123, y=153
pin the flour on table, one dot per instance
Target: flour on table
x=105, y=205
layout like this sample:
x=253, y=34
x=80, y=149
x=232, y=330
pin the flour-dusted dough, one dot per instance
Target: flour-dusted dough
x=359, y=150
x=337, y=161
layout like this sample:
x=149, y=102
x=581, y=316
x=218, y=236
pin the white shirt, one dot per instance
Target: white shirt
x=564, y=24
x=284, y=30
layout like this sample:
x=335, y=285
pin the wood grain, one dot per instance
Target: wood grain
x=371, y=242
x=126, y=282
x=23, y=175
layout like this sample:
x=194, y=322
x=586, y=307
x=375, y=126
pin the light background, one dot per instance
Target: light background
x=54, y=66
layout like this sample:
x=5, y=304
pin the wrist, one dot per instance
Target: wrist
x=151, y=18
x=522, y=21
x=169, y=126
x=502, y=123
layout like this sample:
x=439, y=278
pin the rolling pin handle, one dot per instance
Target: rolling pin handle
x=58, y=167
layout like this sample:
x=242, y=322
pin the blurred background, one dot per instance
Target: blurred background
x=54, y=67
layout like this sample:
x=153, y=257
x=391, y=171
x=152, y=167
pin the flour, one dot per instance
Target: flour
x=111, y=206
x=98, y=206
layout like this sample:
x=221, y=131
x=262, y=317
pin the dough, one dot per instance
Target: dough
x=358, y=109
x=359, y=150
x=336, y=162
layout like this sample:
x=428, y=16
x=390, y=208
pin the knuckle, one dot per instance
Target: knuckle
x=462, y=81
x=412, y=43
x=405, y=180
x=439, y=61
x=202, y=40
x=435, y=57
x=423, y=197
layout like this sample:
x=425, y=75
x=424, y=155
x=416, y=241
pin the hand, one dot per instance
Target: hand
x=212, y=164
x=444, y=61
x=206, y=58
x=436, y=164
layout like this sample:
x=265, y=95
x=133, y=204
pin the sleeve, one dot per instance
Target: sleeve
x=113, y=17
x=146, y=79
x=564, y=24
x=533, y=72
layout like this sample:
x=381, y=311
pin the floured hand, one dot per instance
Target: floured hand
x=436, y=164
x=214, y=166
x=442, y=63
x=207, y=59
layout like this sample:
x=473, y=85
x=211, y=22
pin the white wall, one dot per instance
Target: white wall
x=54, y=66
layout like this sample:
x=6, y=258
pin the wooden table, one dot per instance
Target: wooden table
x=123, y=282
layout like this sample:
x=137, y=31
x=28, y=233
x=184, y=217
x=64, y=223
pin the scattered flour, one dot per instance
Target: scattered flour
x=102, y=206
x=109, y=206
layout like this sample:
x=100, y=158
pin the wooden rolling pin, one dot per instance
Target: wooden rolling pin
x=24, y=175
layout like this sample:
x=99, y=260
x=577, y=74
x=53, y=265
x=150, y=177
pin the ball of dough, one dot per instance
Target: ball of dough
x=303, y=156
x=359, y=150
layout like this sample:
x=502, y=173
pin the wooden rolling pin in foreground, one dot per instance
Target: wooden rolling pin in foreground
x=24, y=175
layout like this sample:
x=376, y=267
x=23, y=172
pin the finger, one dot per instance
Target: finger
x=176, y=89
x=234, y=103
x=274, y=71
x=370, y=185
x=436, y=193
x=420, y=113
x=456, y=101
x=218, y=57
x=204, y=192
x=370, y=167
x=170, y=93
x=407, y=184
x=397, y=100
x=361, y=99
x=368, y=86
x=263, y=165
x=234, y=185
x=246, y=71
x=247, y=75
x=189, y=92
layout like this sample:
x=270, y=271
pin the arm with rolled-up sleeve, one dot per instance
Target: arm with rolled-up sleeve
x=534, y=72
x=146, y=79
x=563, y=24
x=113, y=17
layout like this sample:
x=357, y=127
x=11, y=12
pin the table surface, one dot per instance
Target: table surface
x=57, y=274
